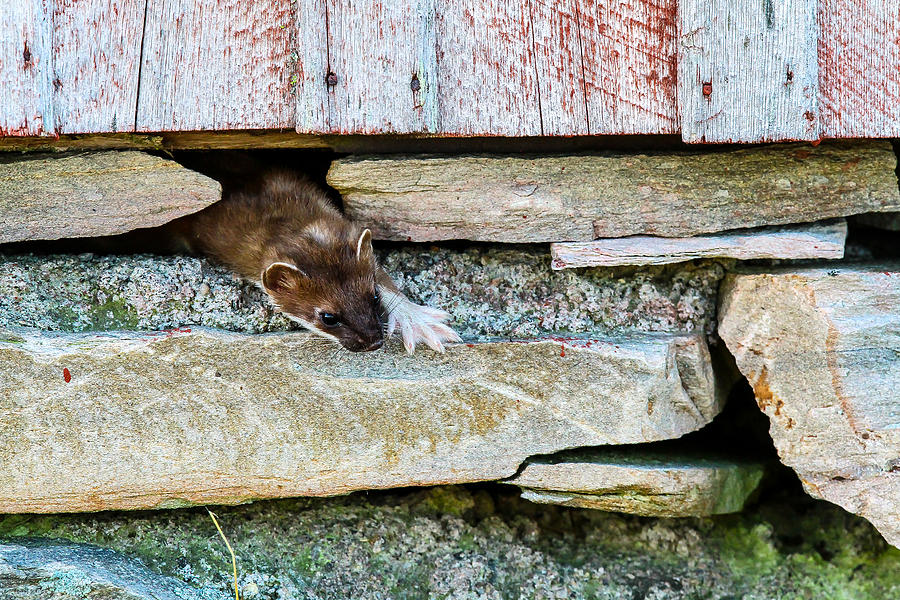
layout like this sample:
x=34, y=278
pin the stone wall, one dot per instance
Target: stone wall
x=138, y=381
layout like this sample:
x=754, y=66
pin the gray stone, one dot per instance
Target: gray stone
x=163, y=419
x=455, y=543
x=821, y=348
x=815, y=240
x=580, y=198
x=41, y=570
x=489, y=293
x=48, y=197
x=641, y=481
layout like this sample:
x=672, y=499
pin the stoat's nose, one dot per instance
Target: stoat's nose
x=374, y=345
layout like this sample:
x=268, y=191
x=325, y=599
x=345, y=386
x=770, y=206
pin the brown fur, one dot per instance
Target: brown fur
x=285, y=218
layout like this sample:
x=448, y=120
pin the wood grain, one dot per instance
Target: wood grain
x=859, y=68
x=26, y=69
x=487, y=79
x=583, y=197
x=216, y=64
x=96, y=47
x=747, y=70
x=474, y=68
x=629, y=61
x=818, y=240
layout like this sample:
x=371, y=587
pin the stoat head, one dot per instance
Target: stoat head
x=326, y=281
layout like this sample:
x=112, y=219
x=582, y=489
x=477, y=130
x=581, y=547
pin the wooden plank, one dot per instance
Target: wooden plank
x=583, y=197
x=384, y=70
x=65, y=143
x=217, y=64
x=487, y=80
x=97, y=48
x=559, y=67
x=859, y=62
x=312, y=109
x=496, y=68
x=26, y=69
x=747, y=70
x=629, y=61
x=817, y=240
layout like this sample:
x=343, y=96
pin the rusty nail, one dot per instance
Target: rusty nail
x=707, y=88
x=26, y=55
x=331, y=79
x=414, y=85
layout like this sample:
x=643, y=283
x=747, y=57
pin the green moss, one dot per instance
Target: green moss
x=450, y=500
x=113, y=314
x=438, y=543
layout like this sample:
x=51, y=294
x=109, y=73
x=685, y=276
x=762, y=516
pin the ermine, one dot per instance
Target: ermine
x=317, y=267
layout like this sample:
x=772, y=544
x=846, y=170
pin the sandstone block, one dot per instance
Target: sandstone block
x=583, y=197
x=640, y=481
x=48, y=197
x=821, y=348
x=150, y=420
x=817, y=240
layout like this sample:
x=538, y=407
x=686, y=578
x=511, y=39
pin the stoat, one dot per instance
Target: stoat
x=317, y=267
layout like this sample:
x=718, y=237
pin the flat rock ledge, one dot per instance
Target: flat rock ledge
x=48, y=197
x=579, y=198
x=821, y=348
x=167, y=419
x=641, y=482
x=822, y=240
x=489, y=293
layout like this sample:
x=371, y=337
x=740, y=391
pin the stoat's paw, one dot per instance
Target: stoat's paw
x=418, y=323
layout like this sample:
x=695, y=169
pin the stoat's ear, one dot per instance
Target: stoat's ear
x=364, y=250
x=281, y=277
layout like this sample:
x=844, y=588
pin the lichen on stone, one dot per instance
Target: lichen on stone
x=479, y=542
x=498, y=292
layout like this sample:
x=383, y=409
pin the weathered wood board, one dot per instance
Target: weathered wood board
x=859, y=68
x=580, y=198
x=822, y=240
x=476, y=68
x=69, y=67
x=26, y=53
x=216, y=64
x=747, y=70
x=97, y=52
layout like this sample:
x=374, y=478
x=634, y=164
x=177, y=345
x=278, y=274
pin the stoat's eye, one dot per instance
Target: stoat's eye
x=376, y=298
x=329, y=319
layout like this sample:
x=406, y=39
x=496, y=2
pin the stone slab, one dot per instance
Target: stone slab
x=823, y=240
x=821, y=348
x=48, y=197
x=43, y=570
x=641, y=481
x=579, y=198
x=164, y=419
x=489, y=293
